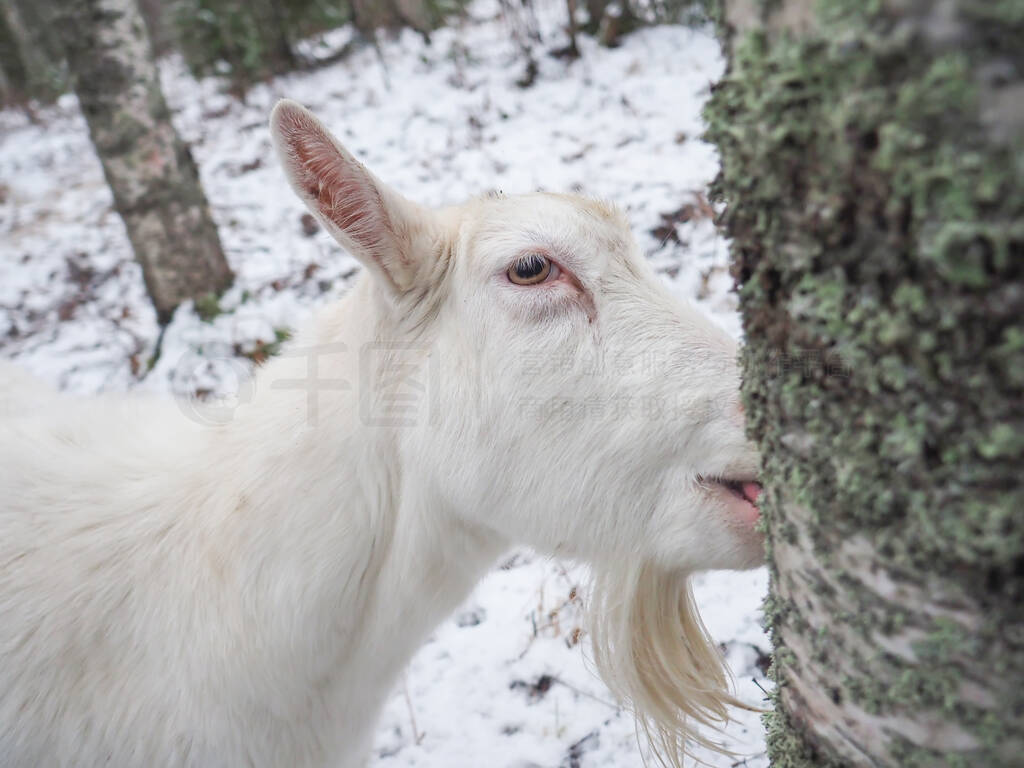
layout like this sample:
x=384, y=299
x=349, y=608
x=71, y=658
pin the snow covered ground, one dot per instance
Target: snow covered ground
x=505, y=682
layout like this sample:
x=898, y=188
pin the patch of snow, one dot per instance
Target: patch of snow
x=505, y=682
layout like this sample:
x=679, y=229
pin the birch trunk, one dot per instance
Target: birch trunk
x=872, y=168
x=150, y=170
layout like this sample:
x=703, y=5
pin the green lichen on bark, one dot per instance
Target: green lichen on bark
x=873, y=170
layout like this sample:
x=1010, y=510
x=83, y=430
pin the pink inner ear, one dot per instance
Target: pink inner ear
x=337, y=185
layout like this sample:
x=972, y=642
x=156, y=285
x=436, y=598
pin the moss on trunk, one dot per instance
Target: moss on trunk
x=873, y=168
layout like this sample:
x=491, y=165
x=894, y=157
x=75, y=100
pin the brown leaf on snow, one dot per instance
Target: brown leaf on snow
x=310, y=226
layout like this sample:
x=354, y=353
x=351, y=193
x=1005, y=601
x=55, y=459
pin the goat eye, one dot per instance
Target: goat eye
x=530, y=270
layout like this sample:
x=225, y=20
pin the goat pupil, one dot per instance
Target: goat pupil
x=530, y=267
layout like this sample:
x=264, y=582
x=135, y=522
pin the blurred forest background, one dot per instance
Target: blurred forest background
x=248, y=41
x=105, y=52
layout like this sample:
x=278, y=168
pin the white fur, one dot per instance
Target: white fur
x=179, y=594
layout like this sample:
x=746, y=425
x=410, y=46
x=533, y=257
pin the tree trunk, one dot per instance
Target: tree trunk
x=155, y=14
x=150, y=170
x=13, y=75
x=595, y=13
x=27, y=37
x=272, y=30
x=370, y=15
x=871, y=164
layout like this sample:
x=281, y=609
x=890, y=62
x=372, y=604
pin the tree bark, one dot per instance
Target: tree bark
x=371, y=15
x=27, y=38
x=13, y=75
x=149, y=169
x=871, y=166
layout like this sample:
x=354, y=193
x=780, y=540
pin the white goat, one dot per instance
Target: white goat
x=245, y=594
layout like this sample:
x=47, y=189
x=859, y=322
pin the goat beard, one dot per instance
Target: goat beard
x=654, y=653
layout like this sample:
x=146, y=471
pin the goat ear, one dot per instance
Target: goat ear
x=371, y=221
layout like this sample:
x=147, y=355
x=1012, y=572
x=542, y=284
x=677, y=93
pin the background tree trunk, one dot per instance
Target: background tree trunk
x=13, y=77
x=872, y=167
x=150, y=170
x=370, y=15
x=155, y=13
x=30, y=51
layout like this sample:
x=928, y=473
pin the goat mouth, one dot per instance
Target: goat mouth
x=743, y=495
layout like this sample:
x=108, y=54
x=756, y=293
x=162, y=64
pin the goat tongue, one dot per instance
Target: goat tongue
x=751, y=491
